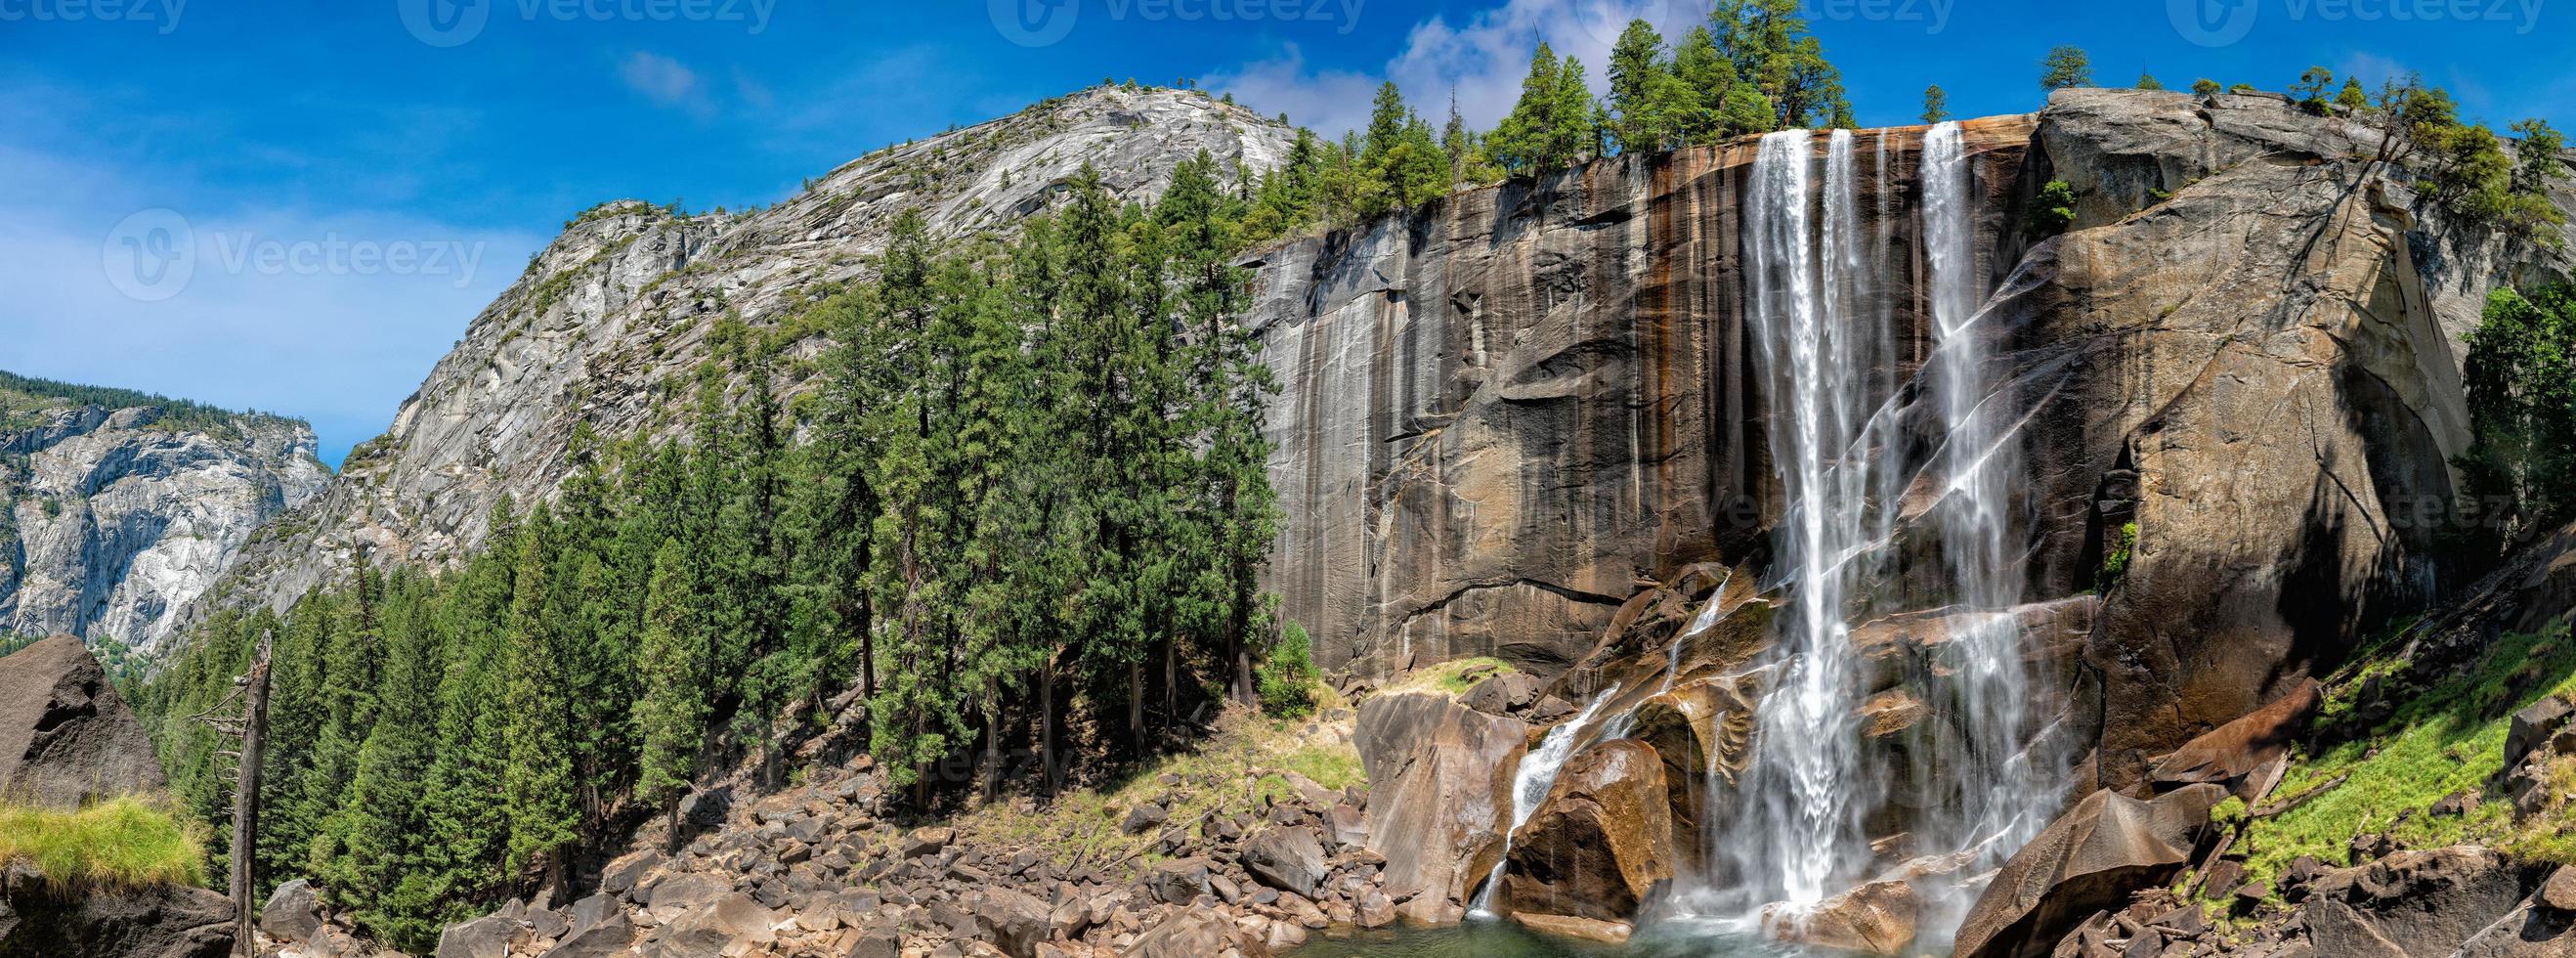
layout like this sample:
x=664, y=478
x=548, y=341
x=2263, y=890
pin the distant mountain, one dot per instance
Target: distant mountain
x=117, y=507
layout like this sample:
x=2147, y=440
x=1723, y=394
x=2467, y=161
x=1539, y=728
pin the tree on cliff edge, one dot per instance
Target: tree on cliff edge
x=2066, y=66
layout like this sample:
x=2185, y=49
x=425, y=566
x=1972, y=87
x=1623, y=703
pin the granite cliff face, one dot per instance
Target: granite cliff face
x=1509, y=412
x=619, y=306
x=112, y=519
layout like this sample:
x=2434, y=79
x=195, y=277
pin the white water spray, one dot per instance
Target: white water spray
x=1994, y=797
x=1804, y=794
x=1530, y=785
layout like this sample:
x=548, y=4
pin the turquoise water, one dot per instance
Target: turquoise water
x=1487, y=939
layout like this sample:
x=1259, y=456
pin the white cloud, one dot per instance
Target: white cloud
x=1482, y=59
x=664, y=81
x=332, y=326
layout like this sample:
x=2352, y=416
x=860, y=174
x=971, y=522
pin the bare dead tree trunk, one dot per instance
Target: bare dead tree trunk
x=246, y=796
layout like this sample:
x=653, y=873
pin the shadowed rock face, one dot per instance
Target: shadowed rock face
x=40, y=920
x=66, y=738
x=1502, y=412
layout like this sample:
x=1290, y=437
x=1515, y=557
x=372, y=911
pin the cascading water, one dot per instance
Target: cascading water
x=1828, y=339
x=1530, y=786
x=1804, y=793
x=1988, y=792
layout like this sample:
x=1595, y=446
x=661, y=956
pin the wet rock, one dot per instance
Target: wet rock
x=1586, y=929
x=1601, y=844
x=1877, y=918
x=2088, y=860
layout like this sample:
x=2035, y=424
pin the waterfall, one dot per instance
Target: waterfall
x=1805, y=795
x=1994, y=795
x=1530, y=785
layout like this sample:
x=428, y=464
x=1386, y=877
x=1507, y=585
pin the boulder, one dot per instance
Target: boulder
x=293, y=913
x=2414, y=904
x=1190, y=933
x=2090, y=859
x=1145, y=817
x=625, y=873
x=66, y=737
x=2534, y=725
x=1601, y=843
x=1586, y=929
x=1287, y=858
x=1435, y=800
x=40, y=920
x=1179, y=881
x=1016, y=922
x=2246, y=756
x=927, y=841
x=485, y=937
x=1877, y=918
x=680, y=893
x=597, y=936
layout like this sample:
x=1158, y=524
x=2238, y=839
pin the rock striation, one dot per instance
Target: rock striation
x=113, y=519
x=1502, y=411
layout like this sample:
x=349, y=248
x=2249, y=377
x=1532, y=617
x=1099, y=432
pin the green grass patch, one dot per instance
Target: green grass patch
x=1455, y=677
x=1082, y=828
x=1334, y=767
x=2448, y=738
x=124, y=843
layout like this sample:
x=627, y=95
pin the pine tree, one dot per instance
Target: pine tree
x=536, y=773
x=1646, y=97
x=1936, y=104
x=670, y=717
x=1769, y=46
x=2066, y=66
x=384, y=873
x=2147, y=81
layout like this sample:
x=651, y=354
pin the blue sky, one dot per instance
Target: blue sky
x=359, y=177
